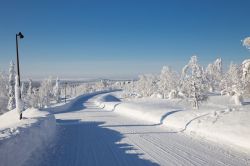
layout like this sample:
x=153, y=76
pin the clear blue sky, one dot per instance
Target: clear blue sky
x=120, y=38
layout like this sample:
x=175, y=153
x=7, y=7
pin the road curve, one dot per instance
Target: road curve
x=89, y=136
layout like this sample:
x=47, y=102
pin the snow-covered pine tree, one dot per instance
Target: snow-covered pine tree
x=3, y=92
x=35, y=98
x=23, y=89
x=46, y=92
x=30, y=91
x=57, y=91
x=11, y=87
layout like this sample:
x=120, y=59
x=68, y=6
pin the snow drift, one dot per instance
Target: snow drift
x=18, y=139
x=218, y=119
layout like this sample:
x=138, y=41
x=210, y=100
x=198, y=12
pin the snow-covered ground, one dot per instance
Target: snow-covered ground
x=218, y=119
x=19, y=139
x=89, y=135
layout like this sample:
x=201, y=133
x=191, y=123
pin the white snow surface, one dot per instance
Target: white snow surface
x=218, y=119
x=20, y=138
x=91, y=136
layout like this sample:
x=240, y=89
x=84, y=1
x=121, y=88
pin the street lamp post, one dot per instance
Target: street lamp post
x=20, y=35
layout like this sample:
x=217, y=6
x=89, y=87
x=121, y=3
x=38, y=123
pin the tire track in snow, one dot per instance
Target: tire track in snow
x=94, y=137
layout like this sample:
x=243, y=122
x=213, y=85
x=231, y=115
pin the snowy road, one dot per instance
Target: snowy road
x=90, y=136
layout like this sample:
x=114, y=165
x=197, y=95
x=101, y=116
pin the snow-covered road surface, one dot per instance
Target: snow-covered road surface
x=89, y=136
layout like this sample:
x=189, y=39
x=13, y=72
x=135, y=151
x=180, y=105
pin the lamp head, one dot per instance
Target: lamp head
x=20, y=35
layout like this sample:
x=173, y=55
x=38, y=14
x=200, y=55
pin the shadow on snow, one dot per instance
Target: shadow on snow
x=89, y=144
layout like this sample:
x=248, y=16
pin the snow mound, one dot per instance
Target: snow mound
x=107, y=101
x=19, y=138
x=218, y=119
x=110, y=98
x=64, y=107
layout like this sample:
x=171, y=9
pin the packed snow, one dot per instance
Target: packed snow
x=20, y=138
x=218, y=119
x=90, y=136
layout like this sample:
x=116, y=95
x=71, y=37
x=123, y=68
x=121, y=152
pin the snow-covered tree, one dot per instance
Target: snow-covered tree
x=23, y=89
x=46, y=92
x=214, y=74
x=246, y=77
x=146, y=85
x=34, y=98
x=246, y=69
x=11, y=102
x=232, y=80
x=30, y=91
x=246, y=42
x=3, y=92
x=19, y=103
x=168, y=82
x=193, y=82
x=232, y=83
x=57, y=91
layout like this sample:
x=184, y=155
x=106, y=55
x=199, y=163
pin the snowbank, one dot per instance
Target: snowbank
x=218, y=119
x=18, y=139
x=63, y=107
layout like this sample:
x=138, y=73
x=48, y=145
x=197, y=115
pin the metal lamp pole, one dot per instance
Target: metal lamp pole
x=20, y=35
